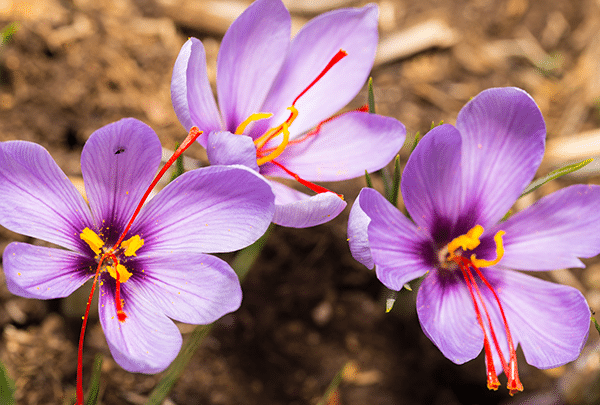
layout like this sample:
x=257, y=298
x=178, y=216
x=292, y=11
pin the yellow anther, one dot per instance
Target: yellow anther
x=92, y=239
x=470, y=241
x=254, y=117
x=273, y=132
x=279, y=150
x=499, y=252
x=466, y=242
x=123, y=273
x=132, y=245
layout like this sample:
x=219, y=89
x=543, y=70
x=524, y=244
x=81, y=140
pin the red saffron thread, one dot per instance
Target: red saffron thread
x=314, y=187
x=336, y=58
x=514, y=384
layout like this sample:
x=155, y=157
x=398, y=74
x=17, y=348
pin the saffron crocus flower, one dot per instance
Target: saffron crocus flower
x=457, y=186
x=162, y=264
x=272, y=92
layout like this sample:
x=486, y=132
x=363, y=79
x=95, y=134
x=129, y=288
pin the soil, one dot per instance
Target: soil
x=76, y=65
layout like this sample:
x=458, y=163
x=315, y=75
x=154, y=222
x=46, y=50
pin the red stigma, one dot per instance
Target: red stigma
x=510, y=369
x=314, y=187
x=336, y=58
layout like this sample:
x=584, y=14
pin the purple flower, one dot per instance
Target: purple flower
x=163, y=268
x=260, y=71
x=457, y=185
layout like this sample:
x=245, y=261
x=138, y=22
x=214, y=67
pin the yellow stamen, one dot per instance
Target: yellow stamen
x=466, y=242
x=92, y=239
x=123, y=273
x=470, y=241
x=499, y=252
x=279, y=150
x=254, y=117
x=132, y=245
x=273, y=132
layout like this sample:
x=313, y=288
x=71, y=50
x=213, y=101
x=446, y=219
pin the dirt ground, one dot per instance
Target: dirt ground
x=76, y=65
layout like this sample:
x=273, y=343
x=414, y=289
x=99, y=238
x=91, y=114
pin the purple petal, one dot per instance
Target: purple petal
x=42, y=272
x=400, y=250
x=225, y=148
x=358, y=239
x=210, y=210
x=447, y=317
x=431, y=185
x=503, y=135
x=39, y=200
x=354, y=31
x=295, y=209
x=555, y=231
x=118, y=163
x=344, y=148
x=190, y=287
x=550, y=321
x=251, y=54
x=147, y=342
x=191, y=93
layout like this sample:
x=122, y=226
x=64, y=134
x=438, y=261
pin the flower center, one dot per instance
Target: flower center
x=264, y=153
x=108, y=259
x=451, y=257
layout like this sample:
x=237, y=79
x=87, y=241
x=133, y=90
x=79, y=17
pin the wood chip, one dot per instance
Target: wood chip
x=574, y=148
x=434, y=33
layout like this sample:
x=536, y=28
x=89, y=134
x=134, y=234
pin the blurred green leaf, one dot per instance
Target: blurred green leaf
x=178, y=169
x=368, y=179
x=348, y=370
x=416, y=141
x=595, y=323
x=94, y=389
x=390, y=299
x=396, y=182
x=371, y=96
x=242, y=263
x=7, y=387
x=387, y=183
x=8, y=32
x=554, y=175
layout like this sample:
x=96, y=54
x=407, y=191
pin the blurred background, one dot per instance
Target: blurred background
x=75, y=65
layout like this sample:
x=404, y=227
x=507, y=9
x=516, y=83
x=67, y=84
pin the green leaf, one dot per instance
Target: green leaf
x=371, y=96
x=416, y=141
x=7, y=387
x=178, y=169
x=94, y=389
x=396, y=182
x=390, y=299
x=554, y=175
x=242, y=263
x=349, y=371
x=368, y=179
x=387, y=183
x=8, y=32
x=595, y=323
